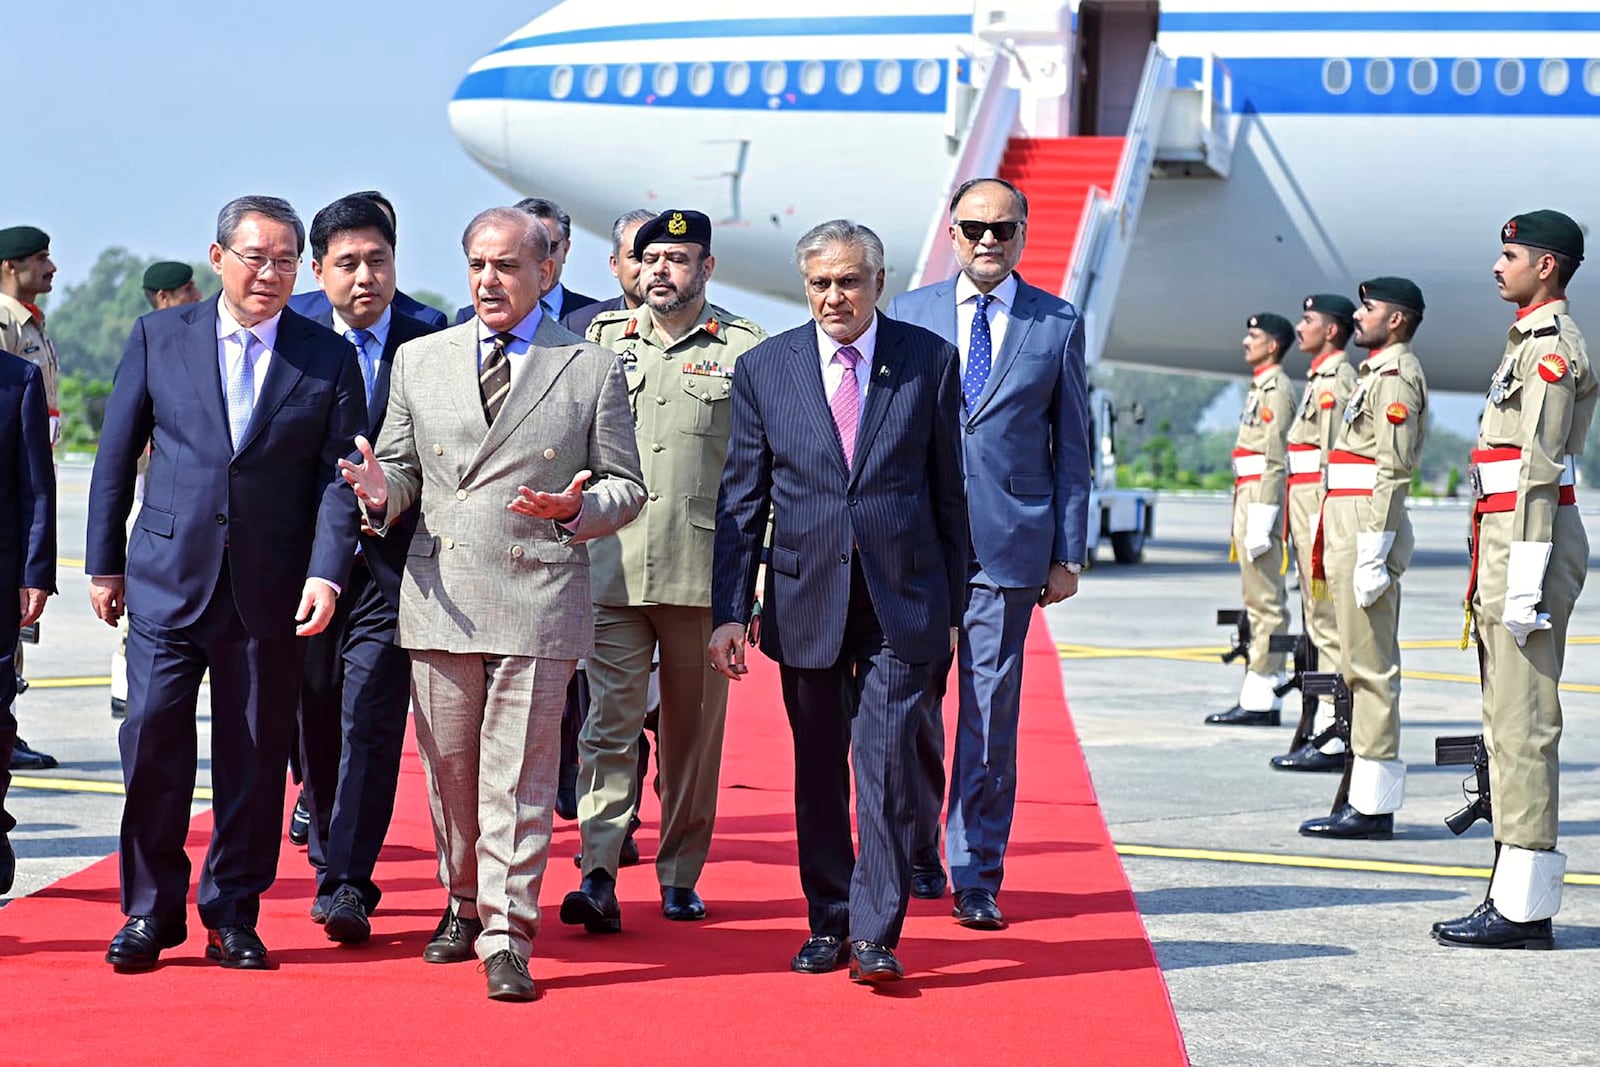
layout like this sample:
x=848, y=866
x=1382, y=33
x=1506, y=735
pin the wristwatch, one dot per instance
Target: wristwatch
x=1072, y=568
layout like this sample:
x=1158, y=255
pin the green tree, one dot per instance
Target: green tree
x=90, y=326
x=434, y=300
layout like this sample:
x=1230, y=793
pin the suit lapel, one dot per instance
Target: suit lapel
x=805, y=372
x=885, y=376
x=943, y=319
x=205, y=371
x=546, y=358
x=399, y=333
x=1019, y=320
x=282, y=376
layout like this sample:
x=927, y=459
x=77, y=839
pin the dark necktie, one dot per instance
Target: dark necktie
x=494, y=376
x=980, y=353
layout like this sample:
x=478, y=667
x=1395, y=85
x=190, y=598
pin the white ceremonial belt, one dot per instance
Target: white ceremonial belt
x=1504, y=475
x=1305, y=461
x=1352, y=476
x=1251, y=466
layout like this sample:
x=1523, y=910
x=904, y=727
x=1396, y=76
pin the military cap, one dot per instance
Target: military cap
x=1332, y=305
x=674, y=227
x=1550, y=230
x=1402, y=292
x=167, y=275
x=1274, y=326
x=20, y=242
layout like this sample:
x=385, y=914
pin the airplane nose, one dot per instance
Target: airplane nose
x=478, y=119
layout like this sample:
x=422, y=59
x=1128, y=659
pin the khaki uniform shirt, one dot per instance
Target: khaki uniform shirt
x=1263, y=428
x=679, y=393
x=23, y=335
x=1328, y=389
x=1384, y=420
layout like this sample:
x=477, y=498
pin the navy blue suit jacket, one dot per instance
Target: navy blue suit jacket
x=27, y=488
x=1027, y=438
x=900, y=506
x=278, y=504
x=314, y=305
x=570, y=302
x=578, y=319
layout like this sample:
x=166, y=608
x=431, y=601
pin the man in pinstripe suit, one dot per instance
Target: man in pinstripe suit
x=845, y=431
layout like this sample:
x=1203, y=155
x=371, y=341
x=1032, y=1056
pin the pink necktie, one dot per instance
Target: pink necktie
x=846, y=403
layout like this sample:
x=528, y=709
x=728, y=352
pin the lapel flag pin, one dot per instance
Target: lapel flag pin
x=883, y=372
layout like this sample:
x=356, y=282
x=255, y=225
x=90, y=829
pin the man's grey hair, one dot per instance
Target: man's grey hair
x=641, y=215
x=534, y=236
x=825, y=235
x=540, y=208
x=275, y=208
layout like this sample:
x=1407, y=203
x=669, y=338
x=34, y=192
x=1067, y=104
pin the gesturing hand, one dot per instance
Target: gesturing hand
x=366, y=477
x=562, y=507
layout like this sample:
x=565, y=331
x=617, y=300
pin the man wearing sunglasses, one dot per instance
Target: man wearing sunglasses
x=1025, y=417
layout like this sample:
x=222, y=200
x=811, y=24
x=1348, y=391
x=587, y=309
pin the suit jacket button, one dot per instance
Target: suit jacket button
x=661, y=400
x=970, y=429
x=449, y=543
x=655, y=448
x=438, y=450
x=549, y=453
x=655, y=496
x=844, y=557
x=852, y=501
x=516, y=551
x=461, y=494
x=234, y=469
x=222, y=520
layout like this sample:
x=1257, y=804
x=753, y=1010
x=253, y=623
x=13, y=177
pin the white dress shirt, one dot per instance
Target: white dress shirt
x=1005, y=297
x=379, y=330
x=517, y=350
x=229, y=349
x=833, y=369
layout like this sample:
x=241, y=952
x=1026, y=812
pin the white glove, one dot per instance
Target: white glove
x=1372, y=575
x=1524, y=587
x=1259, y=520
x=55, y=430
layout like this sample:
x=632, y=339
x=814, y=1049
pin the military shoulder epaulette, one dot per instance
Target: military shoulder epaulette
x=1391, y=372
x=1548, y=331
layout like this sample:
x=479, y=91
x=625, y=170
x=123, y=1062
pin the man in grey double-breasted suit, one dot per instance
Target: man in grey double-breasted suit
x=493, y=429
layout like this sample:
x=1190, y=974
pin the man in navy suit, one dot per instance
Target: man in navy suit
x=844, y=432
x=242, y=543
x=27, y=548
x=558, y=301
x=355, y=691
x=625, y=268
x=1026, y=447
x=315, y=304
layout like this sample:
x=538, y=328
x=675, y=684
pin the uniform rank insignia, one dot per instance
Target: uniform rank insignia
x=707, y=368
x=1326, y=400
x=712, y=326
x=1396, y=413
x=1552, y=368
x=632, y=329
x=677, y=225
x=1508, y=232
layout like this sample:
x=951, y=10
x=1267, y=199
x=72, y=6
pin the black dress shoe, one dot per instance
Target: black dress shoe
x=630, y=852
x=567, y=793
x=24, y=758
x=319, y=910
x=508, y=977
x=1479, y=910
x=1349, y=824
x=593, y=905
x=681, y=905
x=119, y=708
x=1308, y=757
x=976, y=908
x=138, y=944
x=347, y=917
x=1487, y=928
x=873, y=963
x=820, y=954
x=237, y=948
x=300, y=821
x=1237, y=716
x=452, y=939
x=8, y=864
x=927, y=883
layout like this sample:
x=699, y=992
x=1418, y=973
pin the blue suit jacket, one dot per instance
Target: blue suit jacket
x=570, y=302
x=578, y=319
x=1027, y=439
x=314, y=305
x=278, y=504
x=900, y=506
x=27, y=488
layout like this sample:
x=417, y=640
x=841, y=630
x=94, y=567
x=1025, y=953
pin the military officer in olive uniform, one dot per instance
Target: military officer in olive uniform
x=1363, y=546
x=1529, y=562
x=26, y=273
x=1323, y=332
x=652, y=579
x=1260, y=472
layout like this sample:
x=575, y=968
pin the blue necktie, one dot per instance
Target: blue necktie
x=980, y=353
x=241, y=384
x=369, y=366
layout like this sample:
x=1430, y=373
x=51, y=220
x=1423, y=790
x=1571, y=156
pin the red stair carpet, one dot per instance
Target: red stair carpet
x=1072, y=981
x=1057, y=175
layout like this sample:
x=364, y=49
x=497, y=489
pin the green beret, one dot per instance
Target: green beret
x=674, y=227
x=1402, y=292
x=1274, y=326
x=167, y=275
x=1550, y=230
x=1332, y=305
x=20, y=242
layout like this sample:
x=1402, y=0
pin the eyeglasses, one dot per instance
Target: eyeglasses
x=1003, y=231
x=259, y=263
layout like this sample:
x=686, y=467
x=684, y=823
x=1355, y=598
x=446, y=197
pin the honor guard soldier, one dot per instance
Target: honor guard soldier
x=652, y=579
x=1260, y=472
x=1363, y=546
x=1323, y=332
x=1530, y=556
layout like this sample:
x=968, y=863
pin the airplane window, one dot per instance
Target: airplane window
x=1508, y=76
x=850, y=77
x=1336, y=76
x=594, y=80
x=813, y=76
x=561, y=82
x=1554, y=76
x=1424, y=76
x=1380, y=75
x=665, y=82
x=887, y=76
x=774, y=77
x=701, y=79
x=926, y=76
x=1464, y=75
x=1591, y=77
x=736, y=78
x=630, y=79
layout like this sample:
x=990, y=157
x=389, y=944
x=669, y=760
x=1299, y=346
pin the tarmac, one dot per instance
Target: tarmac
x=1277, y=949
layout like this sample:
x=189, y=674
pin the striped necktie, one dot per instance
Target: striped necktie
x=494, y=376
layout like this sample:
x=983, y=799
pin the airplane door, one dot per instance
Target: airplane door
x=1112, y=39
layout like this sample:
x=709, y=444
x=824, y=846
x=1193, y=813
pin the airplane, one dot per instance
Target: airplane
x=1189, y=162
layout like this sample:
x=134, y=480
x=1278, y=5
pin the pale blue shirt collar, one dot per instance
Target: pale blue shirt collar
x=266, y=330
x=379, y=330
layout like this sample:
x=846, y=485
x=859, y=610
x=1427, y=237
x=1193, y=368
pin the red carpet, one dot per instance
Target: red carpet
x=1072, y=981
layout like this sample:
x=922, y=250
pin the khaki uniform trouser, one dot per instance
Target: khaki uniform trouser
x=1265, y=599
x=1521, y=701
x=694, y=704
x=1305, y=504
x=1369, y=638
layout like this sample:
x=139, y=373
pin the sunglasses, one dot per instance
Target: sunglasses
x=973, y=231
